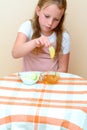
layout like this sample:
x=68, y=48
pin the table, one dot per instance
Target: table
x=43, y=107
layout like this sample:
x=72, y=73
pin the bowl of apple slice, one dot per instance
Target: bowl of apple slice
x=29, y=77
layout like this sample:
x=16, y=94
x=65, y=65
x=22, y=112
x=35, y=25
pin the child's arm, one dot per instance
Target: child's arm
x=63, y=62
x=23, y=45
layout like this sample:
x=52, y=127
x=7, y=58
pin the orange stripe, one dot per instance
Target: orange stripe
x=14, y=74
x=44, y=100
x=9, y=79
x=71, y=78
x=69, y=81
x=45, y=105
x=73, y=83
x=16, y=77
x=42, y=90
x=43, y=120
x=63, y=78
x=38, y=108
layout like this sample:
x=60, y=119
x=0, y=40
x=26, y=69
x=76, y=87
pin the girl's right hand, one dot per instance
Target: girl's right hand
x=42, y=41
x=23, y=45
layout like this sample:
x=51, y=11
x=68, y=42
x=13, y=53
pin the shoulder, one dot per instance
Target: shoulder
x=26, y=28
x=66, y=35
x=66, y=38
x=26, y=24
x=66, y=42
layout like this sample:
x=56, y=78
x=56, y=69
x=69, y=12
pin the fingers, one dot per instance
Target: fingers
x=42, y=41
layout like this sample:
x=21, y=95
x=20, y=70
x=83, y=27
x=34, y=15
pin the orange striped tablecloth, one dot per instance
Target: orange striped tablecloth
x=43, y=107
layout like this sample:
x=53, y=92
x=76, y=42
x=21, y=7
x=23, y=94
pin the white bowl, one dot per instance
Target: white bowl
x=29, y=77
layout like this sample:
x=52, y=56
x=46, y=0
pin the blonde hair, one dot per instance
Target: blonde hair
x=58, y=30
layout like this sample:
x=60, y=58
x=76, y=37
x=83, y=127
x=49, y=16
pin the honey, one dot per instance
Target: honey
x=50, y=79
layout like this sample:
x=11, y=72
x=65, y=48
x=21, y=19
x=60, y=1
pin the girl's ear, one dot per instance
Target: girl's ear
x=37, y=10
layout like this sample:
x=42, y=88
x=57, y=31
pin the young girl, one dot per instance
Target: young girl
x=35, y=36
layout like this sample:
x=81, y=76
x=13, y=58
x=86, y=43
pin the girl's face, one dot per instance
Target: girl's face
x=49, y=18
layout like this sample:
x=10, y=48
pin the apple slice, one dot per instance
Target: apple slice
x=52, y=52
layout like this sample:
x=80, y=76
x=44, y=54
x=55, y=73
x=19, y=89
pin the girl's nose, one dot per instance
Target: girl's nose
x=50, y=22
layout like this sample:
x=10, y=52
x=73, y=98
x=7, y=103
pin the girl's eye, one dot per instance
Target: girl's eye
x=56, y=19
x=47, y=16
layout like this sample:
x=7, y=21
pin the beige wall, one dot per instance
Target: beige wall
x=12, y=14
